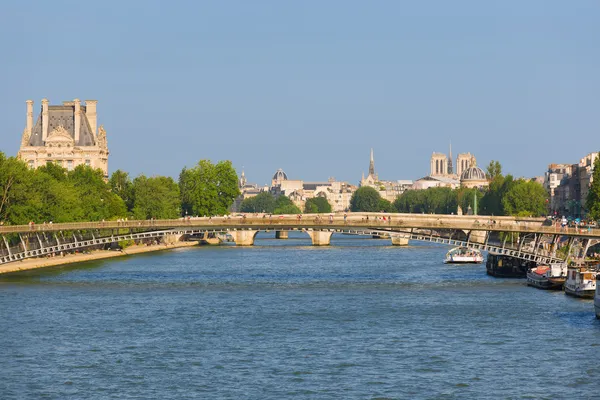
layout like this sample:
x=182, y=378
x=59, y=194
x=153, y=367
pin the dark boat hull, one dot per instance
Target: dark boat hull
x=542, y=282
x=502, y=266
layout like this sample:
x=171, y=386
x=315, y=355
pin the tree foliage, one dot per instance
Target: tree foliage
x=121, y=185
x=525, y=198
x=262, y=202
x=499, y=198
x=365, y=199
x=155, y=197
x=494, y=170
x=51, y=193
x=593, y=199
x=317, y=205
x=437, y=200
x=95, y=196
x=283, y=205
x=208, y=189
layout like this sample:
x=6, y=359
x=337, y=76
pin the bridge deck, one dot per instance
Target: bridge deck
x=398, y=222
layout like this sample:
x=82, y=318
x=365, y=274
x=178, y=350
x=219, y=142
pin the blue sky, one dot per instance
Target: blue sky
x=311, y=86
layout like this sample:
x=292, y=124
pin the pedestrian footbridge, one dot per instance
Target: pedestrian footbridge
x=535, y=239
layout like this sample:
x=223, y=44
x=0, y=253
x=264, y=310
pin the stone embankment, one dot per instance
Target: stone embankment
x=41, y=262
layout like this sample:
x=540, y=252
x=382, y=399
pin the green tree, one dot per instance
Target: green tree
x=385, y=205
x=525, y=198
x=411, y=201
x=465, y=198
x=593, y=198
x=283, y=205
x=15, y=188
x=121, y=185
x=494, y=169
x=55, y=198
x=262, y=202
x=365, y=199
x=316, y=205
x=436, y=200
x=156, y=197
x=208, y=189
x=97, y=200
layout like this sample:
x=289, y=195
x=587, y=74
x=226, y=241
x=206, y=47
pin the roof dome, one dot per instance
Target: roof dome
x=473, y=174
x=280, y=175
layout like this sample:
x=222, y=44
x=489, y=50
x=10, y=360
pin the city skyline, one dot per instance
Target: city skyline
x=269, y=85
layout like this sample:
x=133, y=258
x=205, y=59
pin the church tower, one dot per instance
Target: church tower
x=450, y=167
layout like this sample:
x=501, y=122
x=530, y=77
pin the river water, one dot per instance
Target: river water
x=358, y=320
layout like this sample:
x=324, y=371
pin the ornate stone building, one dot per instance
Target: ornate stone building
x=444, y=173
x=473, y=176
x=65, y=134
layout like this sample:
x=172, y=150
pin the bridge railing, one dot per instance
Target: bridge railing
x=321, y=221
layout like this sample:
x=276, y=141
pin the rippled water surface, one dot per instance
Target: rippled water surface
x=360, y=319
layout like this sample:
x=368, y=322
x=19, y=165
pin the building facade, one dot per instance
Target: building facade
x=66, y=134
x=445, y=173
x=338, y=194
x=568, y=186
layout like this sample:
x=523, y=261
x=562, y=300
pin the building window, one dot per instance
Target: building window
x=31, y=163
x=70, y=165
x=88, y=163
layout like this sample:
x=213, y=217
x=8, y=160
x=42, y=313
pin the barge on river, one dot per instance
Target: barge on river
x=549, y=277
x=581, y=282
x=503, y=266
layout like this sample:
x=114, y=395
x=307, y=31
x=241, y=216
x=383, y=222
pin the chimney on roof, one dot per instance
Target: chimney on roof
x=29, y=116
x=90, y=112
x=45, y=119
x=77, y=129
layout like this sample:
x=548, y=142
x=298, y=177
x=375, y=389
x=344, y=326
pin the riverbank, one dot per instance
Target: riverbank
x=41, y=262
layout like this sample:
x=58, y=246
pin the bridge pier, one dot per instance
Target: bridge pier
x=243, y=238
x=320, y=238
x=208, y=238
x=400, y=240
x=281, y=234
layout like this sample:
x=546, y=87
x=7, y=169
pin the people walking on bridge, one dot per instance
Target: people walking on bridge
x=330, y=218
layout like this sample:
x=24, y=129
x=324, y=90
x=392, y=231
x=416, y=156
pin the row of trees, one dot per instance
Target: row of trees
x=504, y=196
x=51, y=193
x=267, y=203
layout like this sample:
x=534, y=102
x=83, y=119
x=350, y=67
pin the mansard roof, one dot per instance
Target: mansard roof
x=64, y=115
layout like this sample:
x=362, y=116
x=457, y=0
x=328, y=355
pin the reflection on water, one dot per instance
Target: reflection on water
x=283, y=319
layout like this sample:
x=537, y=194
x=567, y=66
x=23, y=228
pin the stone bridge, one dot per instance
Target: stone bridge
x=533, y=239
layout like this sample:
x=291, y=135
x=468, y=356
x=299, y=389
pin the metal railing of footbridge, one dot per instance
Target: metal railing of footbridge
x=389, y=222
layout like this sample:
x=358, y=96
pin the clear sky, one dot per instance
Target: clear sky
x=311, y=86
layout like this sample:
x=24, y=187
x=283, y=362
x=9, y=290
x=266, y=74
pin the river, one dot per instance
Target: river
x=282, y=320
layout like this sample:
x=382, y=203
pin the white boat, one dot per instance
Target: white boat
x=551, y=276
x=581, y=282
x=463, y=255
x=597, y=297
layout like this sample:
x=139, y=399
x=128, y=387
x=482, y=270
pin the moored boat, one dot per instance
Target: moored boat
x=597, y=296
x=548, y=277
x=581, y=282
x=463, y=255
x=503, y=266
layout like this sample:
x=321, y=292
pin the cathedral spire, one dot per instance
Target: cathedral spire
x=372, y=164
x=450, y=168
